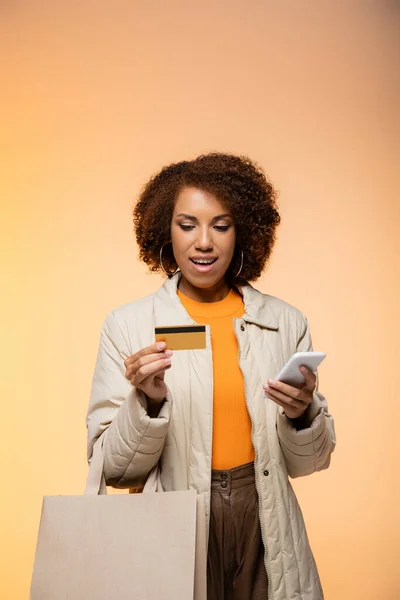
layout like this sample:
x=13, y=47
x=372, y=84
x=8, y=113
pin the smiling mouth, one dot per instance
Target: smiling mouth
x=203, y=262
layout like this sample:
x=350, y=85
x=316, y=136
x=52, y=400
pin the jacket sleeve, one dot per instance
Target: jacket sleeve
x=307, y=447
x=133, y=441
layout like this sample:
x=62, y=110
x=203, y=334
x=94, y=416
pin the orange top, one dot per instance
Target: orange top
x=232, y=445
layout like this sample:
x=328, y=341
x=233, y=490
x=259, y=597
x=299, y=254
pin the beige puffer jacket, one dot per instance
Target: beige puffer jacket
x=180, y=438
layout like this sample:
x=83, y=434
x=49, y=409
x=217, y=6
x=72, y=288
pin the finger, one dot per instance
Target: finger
x=145, y=360
x=286, y=407
x=286, y=391
x=158, y=378
x=152, y=349
x=159, y=375
x=310, y=378
x=287, y=400
x=150, y=369
x=284, y=388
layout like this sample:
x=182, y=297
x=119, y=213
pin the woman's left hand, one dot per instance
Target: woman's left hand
x=294, y=401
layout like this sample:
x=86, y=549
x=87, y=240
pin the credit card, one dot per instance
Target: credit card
x=182, y=337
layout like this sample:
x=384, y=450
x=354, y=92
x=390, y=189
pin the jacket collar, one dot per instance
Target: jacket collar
x=257, y=305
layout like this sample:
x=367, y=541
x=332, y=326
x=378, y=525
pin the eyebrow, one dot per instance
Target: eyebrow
x=193, y=218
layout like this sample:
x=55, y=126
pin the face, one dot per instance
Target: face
x=203, y=239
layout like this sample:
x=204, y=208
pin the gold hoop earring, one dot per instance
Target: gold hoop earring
x=241, y=266
x=161, y=262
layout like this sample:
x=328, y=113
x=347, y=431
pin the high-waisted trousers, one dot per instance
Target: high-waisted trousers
x=235, y=562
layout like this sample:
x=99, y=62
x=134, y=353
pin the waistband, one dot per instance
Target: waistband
x=231, y=479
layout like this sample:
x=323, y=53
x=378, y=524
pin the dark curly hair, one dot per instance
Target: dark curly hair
x=235, y=180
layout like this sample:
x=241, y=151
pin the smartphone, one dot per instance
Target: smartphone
x=291, y=373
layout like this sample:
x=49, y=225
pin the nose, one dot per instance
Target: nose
x=204, y=240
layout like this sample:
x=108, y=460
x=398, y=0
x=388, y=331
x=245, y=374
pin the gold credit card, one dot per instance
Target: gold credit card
x=182, y=337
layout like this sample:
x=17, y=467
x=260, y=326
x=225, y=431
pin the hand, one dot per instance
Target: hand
x=294, y=401
x=146, y=370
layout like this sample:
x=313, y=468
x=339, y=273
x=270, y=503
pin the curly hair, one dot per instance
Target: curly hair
x=238, y=182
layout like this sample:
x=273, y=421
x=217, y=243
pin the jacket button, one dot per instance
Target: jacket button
x=266, y=473
x=224, y=484
x=242, y=327
x=224, y=475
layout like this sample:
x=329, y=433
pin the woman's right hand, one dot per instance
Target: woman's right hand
x=146, y=369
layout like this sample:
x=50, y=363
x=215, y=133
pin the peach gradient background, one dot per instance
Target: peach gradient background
x=96, y=97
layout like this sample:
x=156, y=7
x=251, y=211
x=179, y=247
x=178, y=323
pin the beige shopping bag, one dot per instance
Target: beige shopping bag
x=120, y=547
x=153, y=484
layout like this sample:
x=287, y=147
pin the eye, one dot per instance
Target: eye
x=222, y=227
x=186, y=227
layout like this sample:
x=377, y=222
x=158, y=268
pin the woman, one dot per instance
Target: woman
x=215, y=419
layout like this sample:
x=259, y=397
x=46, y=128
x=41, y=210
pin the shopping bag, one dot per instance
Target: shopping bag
x=154, y=484
x=120, y=547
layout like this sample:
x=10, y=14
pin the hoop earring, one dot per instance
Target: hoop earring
x=241, y=266
x=161, y=262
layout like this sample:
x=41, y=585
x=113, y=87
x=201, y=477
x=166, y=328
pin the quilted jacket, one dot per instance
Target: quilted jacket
x=180, y=438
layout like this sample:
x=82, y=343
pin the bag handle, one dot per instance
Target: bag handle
x=96, y=483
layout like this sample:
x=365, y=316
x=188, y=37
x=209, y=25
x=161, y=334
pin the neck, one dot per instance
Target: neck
x=216, y=293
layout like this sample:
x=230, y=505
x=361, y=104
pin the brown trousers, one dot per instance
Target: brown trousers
x=235, y=565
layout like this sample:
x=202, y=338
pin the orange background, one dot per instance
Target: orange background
x=97, y=96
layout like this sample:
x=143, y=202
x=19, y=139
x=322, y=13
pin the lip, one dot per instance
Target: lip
x=203, y=257
x=203, y=268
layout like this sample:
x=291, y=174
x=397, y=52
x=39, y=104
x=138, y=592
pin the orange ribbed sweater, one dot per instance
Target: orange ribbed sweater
x=232, y=445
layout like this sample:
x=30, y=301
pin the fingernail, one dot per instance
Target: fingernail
x=271, y=381
x=161, y=345
x=168, y=353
